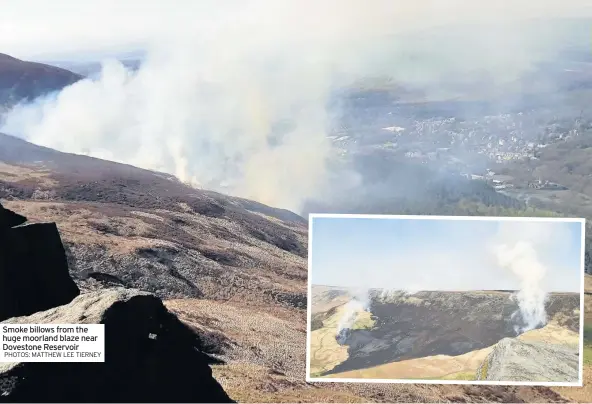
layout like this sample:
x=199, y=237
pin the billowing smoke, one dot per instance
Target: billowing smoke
x=521, y=258
x=520, y=247
x=531, y=257
x=351, y=311
x=359, y=303
x=223, y=121
x=233, y=95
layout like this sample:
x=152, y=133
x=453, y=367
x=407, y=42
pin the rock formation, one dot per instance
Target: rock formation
x=150, y=356
x=516, y=360
x=10, y=219
x=33, y=268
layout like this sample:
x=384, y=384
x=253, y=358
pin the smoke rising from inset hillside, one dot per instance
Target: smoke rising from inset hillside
x=352, y=310
x=521, y=258
x=233, y=96
x=519, y=247
x=385, y=258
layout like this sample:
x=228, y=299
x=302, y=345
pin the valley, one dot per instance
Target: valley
x=430, y=335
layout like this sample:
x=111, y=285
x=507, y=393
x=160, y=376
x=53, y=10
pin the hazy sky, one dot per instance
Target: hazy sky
x=34, y=28
x=439, y=254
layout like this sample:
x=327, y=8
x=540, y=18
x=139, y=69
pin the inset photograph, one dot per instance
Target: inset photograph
x=432, y=299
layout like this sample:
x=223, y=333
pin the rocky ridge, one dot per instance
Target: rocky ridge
x=33, y=268
x=152, y=355
x=515, y=360
x=24, y=81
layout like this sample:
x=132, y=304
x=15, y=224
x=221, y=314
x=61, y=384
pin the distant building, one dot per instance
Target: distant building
x=394, y=129
x=547, y=185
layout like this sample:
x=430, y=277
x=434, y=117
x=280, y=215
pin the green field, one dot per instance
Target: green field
x=588, y=344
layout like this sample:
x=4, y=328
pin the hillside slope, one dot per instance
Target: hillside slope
x=232, y=268
x=22, y=80
x=426, y=335
x=132, y=227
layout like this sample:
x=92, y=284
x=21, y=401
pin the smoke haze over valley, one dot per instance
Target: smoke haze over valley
x=242, y=97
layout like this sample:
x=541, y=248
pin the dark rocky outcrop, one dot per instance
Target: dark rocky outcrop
x=33, y=268
x=10, y=219
x=150, y=356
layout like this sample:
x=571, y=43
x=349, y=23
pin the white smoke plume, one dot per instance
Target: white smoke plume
x=521, y=258
x=359, y=303
x=519, y=247
x=233, y=95
x=352, y=309
x=387, y=294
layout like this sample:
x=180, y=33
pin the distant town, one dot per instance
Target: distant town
x=474, y=148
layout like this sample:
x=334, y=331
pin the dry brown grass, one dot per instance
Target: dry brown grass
x=82, y=226
x=325, y=352
x=18, y=173
x=553, y=334
x=579, y=394
x=249, y=383
x=266, y=362
x=223, y=234
x=323, y=300
x=430, y=367
x=264, y=336
x=220, y=257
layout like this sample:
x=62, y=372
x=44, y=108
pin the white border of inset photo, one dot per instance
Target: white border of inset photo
x=310, y=379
